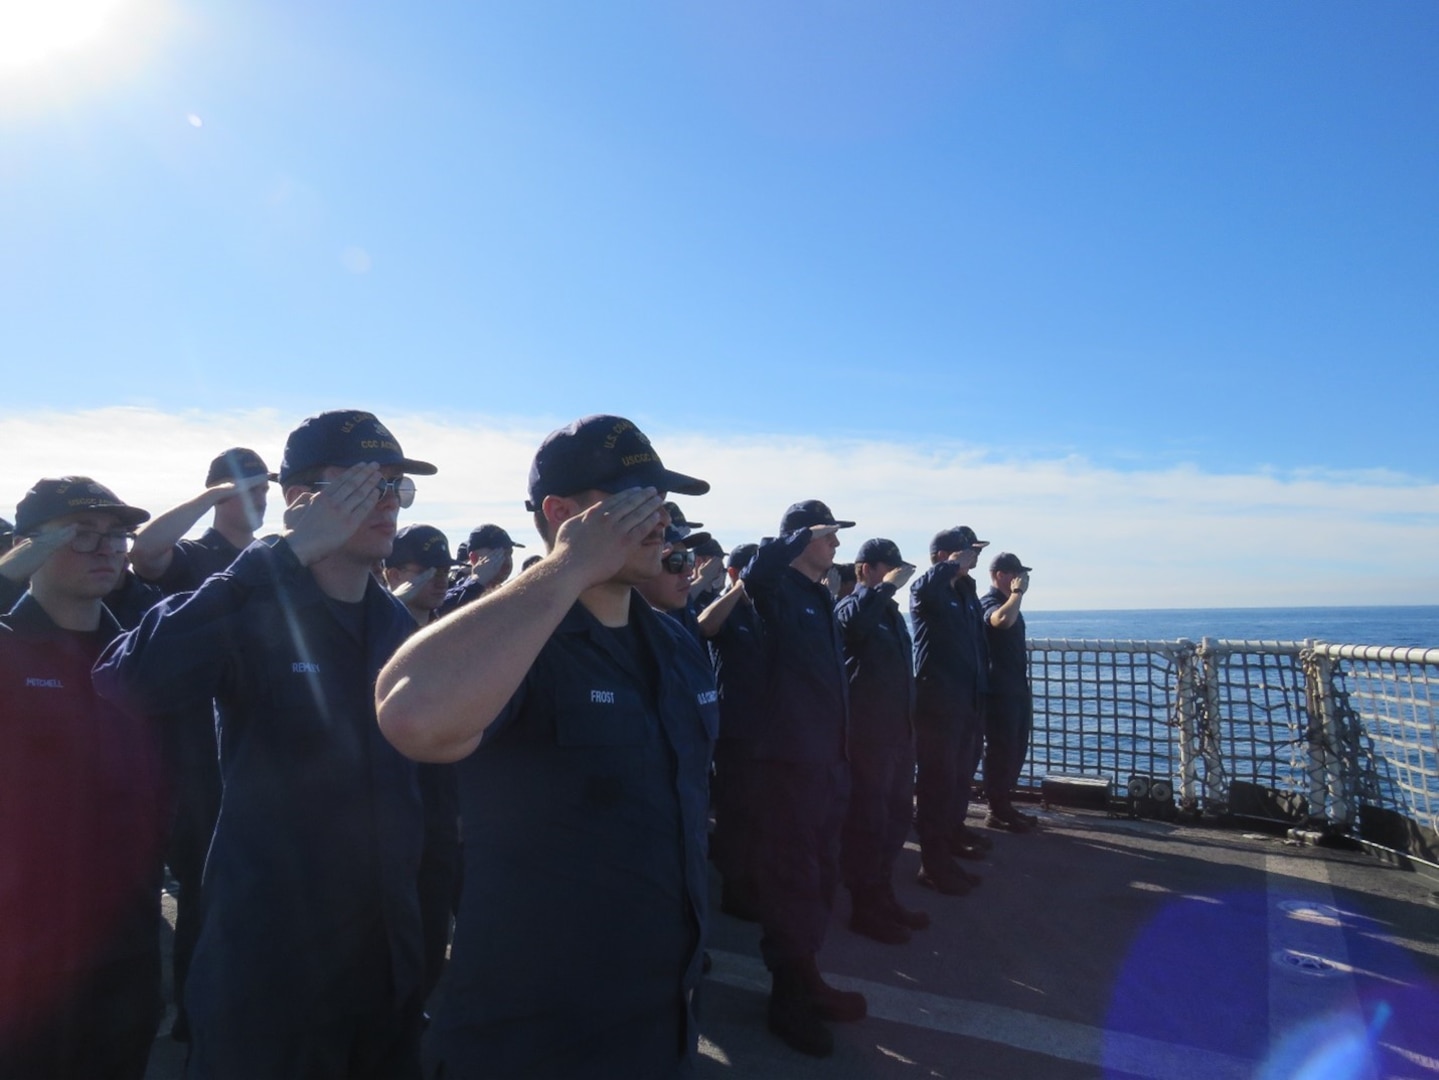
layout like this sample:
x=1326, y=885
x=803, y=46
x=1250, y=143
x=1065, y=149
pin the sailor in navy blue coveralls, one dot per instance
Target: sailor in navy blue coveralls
x=82, y=809
x=583, y=723
x=951, y=675
x=308, y=962
x=802, y=758
x=415, y=573
x=738, y=654
x=879, y=658
x=802, y=751
x=490, y=553
x=236, y=486
x=583, y=790
x=1009, y=707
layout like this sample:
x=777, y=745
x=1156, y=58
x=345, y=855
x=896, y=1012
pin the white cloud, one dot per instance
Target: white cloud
x=1098, y=537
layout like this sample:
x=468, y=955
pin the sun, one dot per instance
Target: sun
x=34, y=32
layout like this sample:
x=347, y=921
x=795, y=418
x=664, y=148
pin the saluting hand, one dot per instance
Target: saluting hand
x=899, y=576
x=487, y=564
x=709, y=571
x=318, y=523
x=414, y=585
x=32, y=552
x=230, y=489
x=602, y=537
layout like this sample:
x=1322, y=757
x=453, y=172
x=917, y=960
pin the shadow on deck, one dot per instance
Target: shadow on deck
x=1103, y=947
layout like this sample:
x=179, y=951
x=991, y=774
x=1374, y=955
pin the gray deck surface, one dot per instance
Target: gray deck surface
x=1105, y=947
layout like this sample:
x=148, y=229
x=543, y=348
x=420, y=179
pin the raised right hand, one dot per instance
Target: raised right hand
x=229, y=489
x=31, y=552
x=487, y=563
x=899, y=576
x=415, y=584
x=318, y=523
x=601, y=538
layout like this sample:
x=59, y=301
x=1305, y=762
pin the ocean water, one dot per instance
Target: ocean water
x=1411, y=626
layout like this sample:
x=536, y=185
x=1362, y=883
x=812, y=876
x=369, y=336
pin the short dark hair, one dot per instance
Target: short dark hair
x=542, y=524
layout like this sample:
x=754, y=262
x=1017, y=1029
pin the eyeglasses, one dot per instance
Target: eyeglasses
x=402, y=486
x=87, y=541
x=676, y=562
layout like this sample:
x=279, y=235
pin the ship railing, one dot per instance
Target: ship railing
x=1340, y=739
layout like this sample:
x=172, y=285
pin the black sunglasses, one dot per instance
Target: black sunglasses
x=678, y=561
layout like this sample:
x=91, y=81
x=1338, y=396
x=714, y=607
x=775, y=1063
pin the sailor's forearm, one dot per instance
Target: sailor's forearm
x=447, y=683
x=156, y=539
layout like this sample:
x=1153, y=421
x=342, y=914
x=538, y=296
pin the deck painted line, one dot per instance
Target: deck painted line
x=1063, y=1039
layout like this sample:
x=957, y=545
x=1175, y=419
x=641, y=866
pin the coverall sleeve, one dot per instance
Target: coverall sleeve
x=861, y=611
x=767, y=568
x=186, y=648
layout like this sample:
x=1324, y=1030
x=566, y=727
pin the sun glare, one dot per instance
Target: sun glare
x=34, y=32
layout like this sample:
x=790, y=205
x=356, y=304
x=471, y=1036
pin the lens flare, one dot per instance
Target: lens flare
x=1334, y=1047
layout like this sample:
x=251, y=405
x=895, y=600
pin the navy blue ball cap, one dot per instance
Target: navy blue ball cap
x=959, y=538
x=603, y=453
x=1008, y=562
x=691, y=540
x=707, y=546
x=53, y=498
x=739, y=558
x=678, y=520
x=343, y=438
x=803, y=515
x=490, y=536
x=880, y=551
x=422, y=544
x=236, y=464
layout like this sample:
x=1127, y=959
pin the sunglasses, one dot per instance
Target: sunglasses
x=402, y=486
x=677, y=562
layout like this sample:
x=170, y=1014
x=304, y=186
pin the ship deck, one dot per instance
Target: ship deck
x=1111, y=947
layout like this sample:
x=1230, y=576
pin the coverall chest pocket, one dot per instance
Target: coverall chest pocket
x=600, y=716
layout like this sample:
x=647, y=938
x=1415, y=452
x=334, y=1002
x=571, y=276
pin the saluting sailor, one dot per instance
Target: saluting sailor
x=583, y=722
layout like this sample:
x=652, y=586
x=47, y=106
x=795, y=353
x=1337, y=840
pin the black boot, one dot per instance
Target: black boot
x=793, y=1015
x=841, y=1006
x=1004, y=816
x=962, y=847
x=915, y=920
x=871, y=917
x=939, y=871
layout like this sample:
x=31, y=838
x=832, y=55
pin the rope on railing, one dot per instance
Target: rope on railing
x=1386, y=705
x=1326, y=730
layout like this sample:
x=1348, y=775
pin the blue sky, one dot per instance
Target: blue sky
x=1154, y=244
